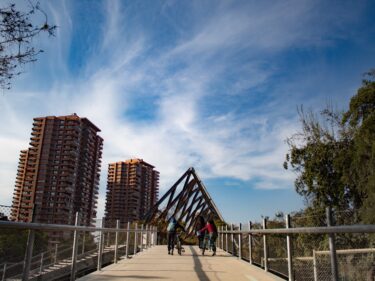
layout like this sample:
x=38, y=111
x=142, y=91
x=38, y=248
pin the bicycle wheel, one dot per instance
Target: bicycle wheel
x=179, y=248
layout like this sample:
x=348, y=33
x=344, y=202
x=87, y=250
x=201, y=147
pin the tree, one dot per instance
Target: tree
x=318, y=156
x=334, y=155
x=16, y=33
x=361, y=119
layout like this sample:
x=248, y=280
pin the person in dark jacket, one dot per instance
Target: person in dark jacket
x=171, y=234
x=212, y=235
x=199, y=225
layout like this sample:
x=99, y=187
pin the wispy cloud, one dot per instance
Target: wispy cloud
x=210, y=92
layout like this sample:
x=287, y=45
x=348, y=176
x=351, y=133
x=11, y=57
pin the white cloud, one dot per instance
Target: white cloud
x=247, y=146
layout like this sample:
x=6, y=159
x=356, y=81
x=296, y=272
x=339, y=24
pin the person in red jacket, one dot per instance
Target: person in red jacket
x=199, y=224
x=212, y=235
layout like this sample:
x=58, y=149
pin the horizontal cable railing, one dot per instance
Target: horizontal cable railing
x=60, y=251
x=342, y=252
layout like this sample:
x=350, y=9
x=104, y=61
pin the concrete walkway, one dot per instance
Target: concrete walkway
x=156, y=264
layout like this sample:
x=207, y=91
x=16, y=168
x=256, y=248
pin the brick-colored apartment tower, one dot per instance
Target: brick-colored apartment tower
x=58, y=175
x=132, y=189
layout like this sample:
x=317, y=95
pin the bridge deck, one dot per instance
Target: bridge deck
x=156, y=264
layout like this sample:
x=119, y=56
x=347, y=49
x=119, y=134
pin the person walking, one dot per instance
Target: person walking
x=198, y=226
x=212, y=235
x=171, y=233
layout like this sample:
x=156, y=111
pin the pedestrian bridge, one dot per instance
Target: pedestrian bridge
x=155, y=264
x=325, y=245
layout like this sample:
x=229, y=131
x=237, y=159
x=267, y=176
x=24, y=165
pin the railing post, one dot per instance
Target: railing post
x=149, y=230
x=240, y=242
x=232, y=239
x=289, y=249
x=4, y=271
x=146, y=236
x=156, y=235
x=116, y=240
x=226, y=239
x=127, y=240
x=332, y=246
x=154, y=242
x=265, y=250
x=100, y=247
x=135, y=238
x=41, y=262
x=83, y=242
x=74, y=251
x=28, y=255
x=250, y=245
x=222, y=238
x=218, y=239
x=108, y=241
x=141, y=236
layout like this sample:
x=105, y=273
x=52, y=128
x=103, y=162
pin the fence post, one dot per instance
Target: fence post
x=74, y=251
x=240, y=242
x=28, y=255
x=56, y=252
x=289, y=249
x=41, y=262
x=135, y=238
x=315, y=266
x=265, y=246
x=116, y=240
x=127, y=240
x=100, y=248
x=250, y=245
x=226, y=239
x=4, y=271
x=332, y=246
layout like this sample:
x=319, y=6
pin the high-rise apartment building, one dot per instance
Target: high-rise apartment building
x=132, y=189
x=58, y=175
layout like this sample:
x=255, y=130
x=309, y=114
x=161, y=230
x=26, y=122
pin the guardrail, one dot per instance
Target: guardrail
x=293, y=260
x=133, y=238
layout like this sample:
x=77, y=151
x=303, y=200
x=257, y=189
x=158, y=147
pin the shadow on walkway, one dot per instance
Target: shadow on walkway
x=198, y=266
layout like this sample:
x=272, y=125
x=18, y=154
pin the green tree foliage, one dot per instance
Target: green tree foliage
x=17, y=29
x=13, y=244
x=318, y=157
x=334, y=155
x=361, y=119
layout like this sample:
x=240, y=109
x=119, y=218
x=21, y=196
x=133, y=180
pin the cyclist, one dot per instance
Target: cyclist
x=212, y=235
x=171, y=233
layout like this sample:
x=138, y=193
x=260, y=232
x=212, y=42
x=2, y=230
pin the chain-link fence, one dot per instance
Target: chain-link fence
x=314, y=252
x=55, y=252
x=5, y=212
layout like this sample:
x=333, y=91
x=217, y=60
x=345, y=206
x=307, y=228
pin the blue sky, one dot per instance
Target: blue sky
x=209, y=84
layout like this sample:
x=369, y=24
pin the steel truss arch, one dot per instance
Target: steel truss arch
x=185, y=204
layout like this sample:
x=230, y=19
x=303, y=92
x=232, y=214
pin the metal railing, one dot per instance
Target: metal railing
x=345, y=252
x=77, y=244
